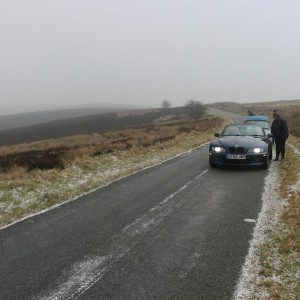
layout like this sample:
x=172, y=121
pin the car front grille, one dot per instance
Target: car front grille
x=236, y=150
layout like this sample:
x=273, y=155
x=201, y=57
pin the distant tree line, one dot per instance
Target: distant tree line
x=195, y=109
x=166, y=104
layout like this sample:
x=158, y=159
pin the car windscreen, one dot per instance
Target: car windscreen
x=243, y=130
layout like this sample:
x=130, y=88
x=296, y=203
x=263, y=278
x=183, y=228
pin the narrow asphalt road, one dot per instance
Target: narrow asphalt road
x=174, y=231
x=238, y=119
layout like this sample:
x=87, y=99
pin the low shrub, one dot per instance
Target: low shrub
x=65, y=150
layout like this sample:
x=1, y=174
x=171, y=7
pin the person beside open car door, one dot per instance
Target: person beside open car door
x=280, y=132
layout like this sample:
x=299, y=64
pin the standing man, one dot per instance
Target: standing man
x=280, y=133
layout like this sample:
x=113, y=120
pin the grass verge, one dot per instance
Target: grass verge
x=272, y=266
x=280, y=254
x=25, y=193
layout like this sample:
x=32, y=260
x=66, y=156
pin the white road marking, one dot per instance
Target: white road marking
x=82, y=275
x=250, y=220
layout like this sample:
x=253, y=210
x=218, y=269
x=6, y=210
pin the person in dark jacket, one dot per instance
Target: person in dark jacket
x=280, y=132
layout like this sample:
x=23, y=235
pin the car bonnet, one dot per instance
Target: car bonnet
x=246, y=142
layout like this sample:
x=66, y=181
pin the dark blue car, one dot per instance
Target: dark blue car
x=241, y=144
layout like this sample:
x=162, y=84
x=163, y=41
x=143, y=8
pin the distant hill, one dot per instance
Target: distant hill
x=44, y=116
x=84, y=125
x=265, y=108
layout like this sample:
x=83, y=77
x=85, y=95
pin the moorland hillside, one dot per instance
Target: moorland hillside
x=84, y=125
x=15, y=120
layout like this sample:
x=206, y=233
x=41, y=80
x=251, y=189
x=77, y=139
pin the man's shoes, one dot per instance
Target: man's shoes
x=282, y=158
x=275, y=159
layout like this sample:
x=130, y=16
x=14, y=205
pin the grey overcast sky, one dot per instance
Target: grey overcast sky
x=71, y=52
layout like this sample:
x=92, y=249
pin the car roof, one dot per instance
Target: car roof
x=257, y=118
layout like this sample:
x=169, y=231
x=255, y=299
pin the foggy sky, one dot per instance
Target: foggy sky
x=70, y=52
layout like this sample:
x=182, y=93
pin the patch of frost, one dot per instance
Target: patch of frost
x=272, y=207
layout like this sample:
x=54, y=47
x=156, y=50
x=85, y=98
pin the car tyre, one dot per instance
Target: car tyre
x=271, y=155
x=266, y=163
x=212, y=165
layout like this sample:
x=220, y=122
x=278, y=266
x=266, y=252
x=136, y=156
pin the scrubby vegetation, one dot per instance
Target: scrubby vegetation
x=85, y=162
x=57, y=153
x=280, y=253
x=195, y=109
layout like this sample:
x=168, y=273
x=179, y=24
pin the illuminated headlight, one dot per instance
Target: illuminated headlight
x=217, y=149
x=256, y=150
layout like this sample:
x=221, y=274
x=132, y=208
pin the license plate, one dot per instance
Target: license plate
x=236, y=156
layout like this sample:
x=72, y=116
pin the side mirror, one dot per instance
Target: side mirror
x=270, y=135
x=217, y=134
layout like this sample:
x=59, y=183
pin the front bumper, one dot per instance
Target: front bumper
x=251, y=159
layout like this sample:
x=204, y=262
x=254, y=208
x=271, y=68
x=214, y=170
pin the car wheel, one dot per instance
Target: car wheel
x=212, y=165
x=271, y=155
x=266, y=163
